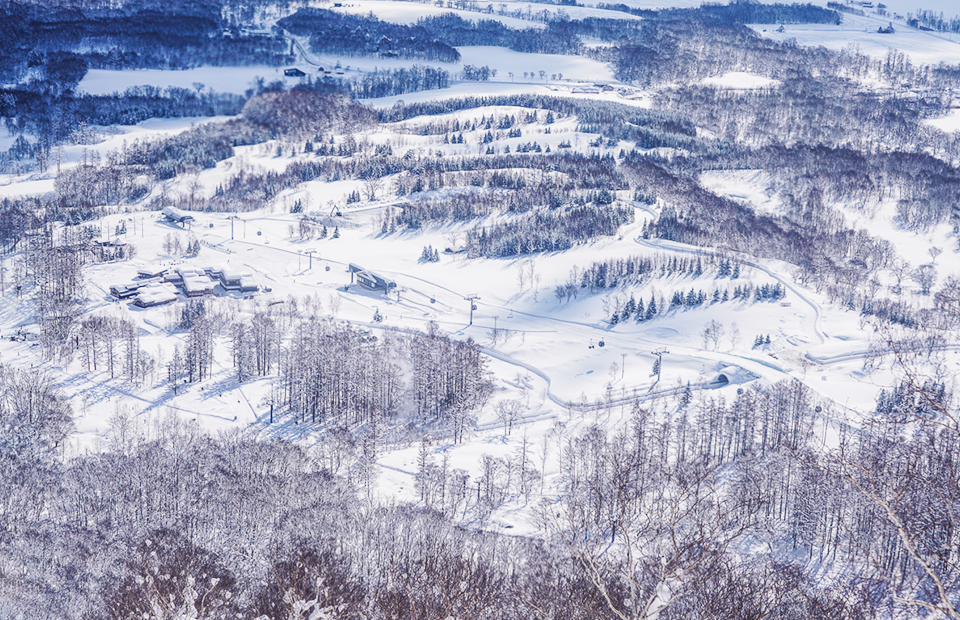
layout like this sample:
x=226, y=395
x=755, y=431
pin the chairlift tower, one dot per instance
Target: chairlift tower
x=311, y=253
x=660, y=353
x=473, y=306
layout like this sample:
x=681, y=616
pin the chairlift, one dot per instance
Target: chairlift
x=432, y=300
x=259, y=232
x=328, y=268
x=600, y=344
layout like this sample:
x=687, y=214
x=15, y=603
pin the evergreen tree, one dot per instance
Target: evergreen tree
x=687, y=396
x=652, y=308
x=629, y=309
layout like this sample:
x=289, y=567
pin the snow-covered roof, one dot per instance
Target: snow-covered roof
x=156, y=294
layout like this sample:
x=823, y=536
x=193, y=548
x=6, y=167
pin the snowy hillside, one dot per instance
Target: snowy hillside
x=386, y=309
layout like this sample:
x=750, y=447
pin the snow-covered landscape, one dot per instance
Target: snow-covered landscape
x=516, y=310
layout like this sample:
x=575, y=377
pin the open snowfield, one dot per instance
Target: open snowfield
x=234, y=80
x=517, y=15
x=410, y=12
x=949, y=123
x=861, y=33
x=739, y=80
x=237, y=80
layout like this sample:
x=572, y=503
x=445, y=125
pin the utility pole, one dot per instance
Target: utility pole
x=310, y=252
x=660, y=353
x=623, y=364
x=471, y=299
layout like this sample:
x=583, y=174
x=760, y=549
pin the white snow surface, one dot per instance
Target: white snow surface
x=551, y=354
x=234, y=80
x=860, y=33
x=739, y=80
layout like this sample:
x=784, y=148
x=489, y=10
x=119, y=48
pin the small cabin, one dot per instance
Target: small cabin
x=294, y=72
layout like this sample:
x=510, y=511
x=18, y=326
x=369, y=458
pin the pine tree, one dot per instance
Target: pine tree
x=677, y=300
x=651, y=308
x=724, y=270
x=629, y=308
x=640, y=310
x=336, y=232
x=687, y=396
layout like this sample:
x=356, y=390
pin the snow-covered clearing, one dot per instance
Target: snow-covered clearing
x=516, y=15
x=949, y=123
x=236, y=80
x=411, y=12
x=740, y=80
x=861, y=34
x=751, y=186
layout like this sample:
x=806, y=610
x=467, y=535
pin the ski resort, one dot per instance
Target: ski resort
x=385, y=310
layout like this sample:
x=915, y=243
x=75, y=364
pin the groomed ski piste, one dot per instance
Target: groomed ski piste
x=561, y=358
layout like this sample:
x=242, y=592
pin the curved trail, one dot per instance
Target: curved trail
x=821, y=336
